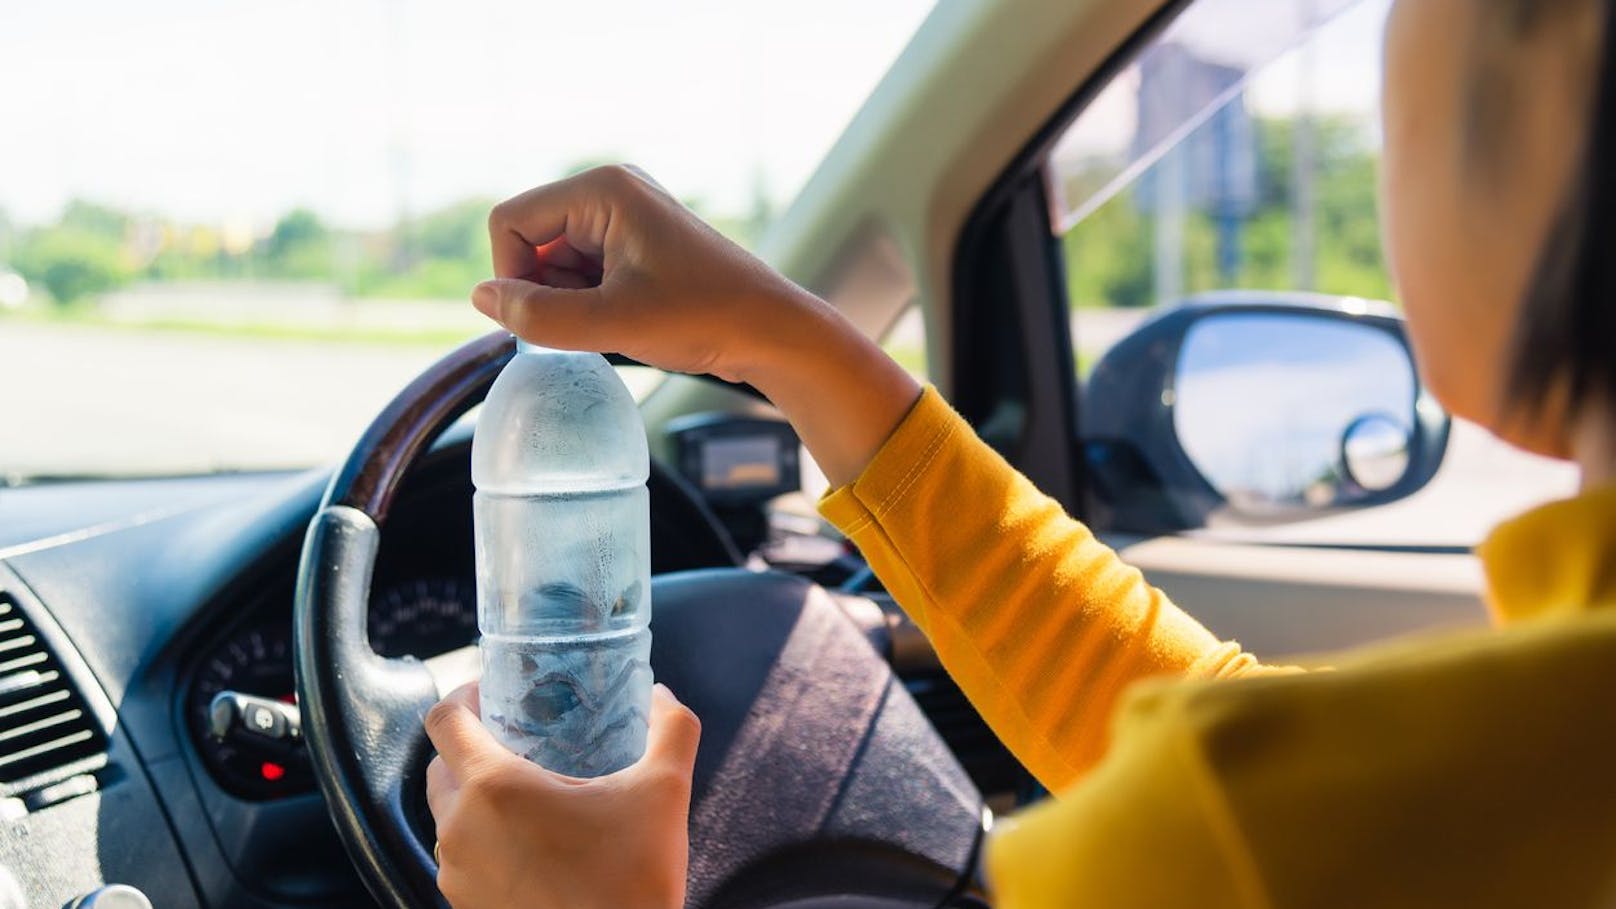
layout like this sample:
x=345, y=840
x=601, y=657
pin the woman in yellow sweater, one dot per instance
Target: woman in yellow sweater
x=1477, y=770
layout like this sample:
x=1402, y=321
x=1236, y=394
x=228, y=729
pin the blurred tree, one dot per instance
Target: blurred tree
x=458, y=232
x=7, y=230
x=298, y=227
x=93, y=218
x=72, y=264
x=1109, y=255
x=298, y=247
x=448, y=253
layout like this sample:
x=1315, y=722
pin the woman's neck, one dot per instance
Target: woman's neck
x=1593, y=444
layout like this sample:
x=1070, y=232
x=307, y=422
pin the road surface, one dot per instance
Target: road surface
x=92, y=400
x=87, y=400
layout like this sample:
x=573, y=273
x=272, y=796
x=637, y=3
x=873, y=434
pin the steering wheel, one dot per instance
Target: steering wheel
x=818, y=781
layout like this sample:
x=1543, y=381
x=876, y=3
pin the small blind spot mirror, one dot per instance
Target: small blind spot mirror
x=1375, y=452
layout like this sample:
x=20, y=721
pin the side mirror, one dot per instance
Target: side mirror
x=1262, y=411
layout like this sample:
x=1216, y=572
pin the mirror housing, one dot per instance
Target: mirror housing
x=1256, y=408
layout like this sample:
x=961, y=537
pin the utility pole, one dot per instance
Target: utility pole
x=1172, y=188
x=398, y=140
x=1304, y=163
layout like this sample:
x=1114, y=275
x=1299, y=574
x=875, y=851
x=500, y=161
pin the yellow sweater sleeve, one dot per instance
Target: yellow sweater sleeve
x=1041, y=625
x=1148, y=827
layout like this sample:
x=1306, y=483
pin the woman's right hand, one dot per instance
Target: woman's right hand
x=608, y=261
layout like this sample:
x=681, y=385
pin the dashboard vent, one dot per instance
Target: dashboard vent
x=991, y=767
x=45, y=723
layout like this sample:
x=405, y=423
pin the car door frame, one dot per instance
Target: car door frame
x=1012, y=362
x=1014, y=378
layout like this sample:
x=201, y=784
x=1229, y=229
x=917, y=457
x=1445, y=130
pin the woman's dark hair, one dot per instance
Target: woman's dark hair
x=1565, y=342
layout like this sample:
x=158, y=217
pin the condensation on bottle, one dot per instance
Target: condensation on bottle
x=562, y=518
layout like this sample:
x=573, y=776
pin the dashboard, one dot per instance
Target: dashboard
x=161, y=596
x=168, y=593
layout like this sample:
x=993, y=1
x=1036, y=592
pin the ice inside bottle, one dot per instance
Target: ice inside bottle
x=562, y=522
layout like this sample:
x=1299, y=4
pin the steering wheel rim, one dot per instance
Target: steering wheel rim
x=363, y=713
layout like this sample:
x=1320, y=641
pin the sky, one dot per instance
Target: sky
x=228, y=111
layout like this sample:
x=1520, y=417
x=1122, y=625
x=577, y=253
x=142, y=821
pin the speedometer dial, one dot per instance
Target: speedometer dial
x=255, y=660
x=424, y=617
x=420, y=617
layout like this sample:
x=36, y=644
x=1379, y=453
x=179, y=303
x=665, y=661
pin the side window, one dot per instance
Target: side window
x=1234, y=164
x=905, y=342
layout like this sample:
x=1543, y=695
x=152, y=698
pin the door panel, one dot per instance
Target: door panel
x=1281, y=602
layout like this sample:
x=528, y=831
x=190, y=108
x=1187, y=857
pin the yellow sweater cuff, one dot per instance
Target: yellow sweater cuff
x=901, y=460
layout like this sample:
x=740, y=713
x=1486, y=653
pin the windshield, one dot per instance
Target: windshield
x=230, y=231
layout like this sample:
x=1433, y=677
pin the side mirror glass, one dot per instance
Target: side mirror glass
x=1287, y=410
x=1257, y=408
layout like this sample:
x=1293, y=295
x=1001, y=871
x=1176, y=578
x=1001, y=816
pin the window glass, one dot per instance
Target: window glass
x=1235, y=160
x=230, y=232
x=905, y=342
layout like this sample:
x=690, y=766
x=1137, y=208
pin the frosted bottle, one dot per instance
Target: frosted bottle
x=563, y=544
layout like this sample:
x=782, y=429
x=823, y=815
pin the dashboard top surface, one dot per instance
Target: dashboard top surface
x=39, y=514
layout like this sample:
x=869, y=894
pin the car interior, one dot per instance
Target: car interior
x=212, y=684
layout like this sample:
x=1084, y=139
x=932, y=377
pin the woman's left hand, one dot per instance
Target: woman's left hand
x=511, y=833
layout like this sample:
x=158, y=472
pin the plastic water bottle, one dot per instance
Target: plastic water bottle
x=563, y=536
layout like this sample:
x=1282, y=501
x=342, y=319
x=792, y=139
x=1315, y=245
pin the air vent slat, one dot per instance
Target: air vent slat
x=25, y=661
x=25, y=681
x=46, y=726
x=17, y=732
x=72, y=738
x=44, y=700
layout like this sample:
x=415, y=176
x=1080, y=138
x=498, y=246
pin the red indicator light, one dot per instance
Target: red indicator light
x=271, y=771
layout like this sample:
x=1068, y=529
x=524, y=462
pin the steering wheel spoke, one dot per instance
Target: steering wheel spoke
x=363, y=713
